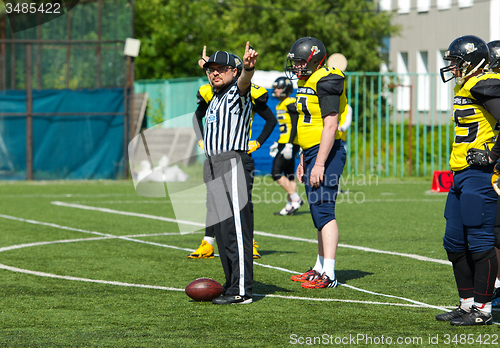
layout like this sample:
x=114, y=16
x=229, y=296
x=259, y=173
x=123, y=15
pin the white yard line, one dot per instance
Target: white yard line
x=107, y=235
x=129, y=238
x=260, y=233
x=127, y=213
x=107, y=282
x=347, y=301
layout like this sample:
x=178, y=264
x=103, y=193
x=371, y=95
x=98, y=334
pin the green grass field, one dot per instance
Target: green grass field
x=76, y=275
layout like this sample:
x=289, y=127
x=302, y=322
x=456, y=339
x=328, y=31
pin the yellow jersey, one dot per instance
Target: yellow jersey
x=475, y=127
x=320, y=95
x=283, y=110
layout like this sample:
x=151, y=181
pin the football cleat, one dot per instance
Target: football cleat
x=290, y=209
x=228, y=299
x=454, y=314
x=204, y=251
x=256, y=254
x=306, y=277
x=474, y=317
x=322, y=281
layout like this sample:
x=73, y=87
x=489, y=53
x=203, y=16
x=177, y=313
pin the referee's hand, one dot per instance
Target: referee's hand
x=204, y=57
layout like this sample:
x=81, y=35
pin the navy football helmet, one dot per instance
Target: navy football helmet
x=467, y=54
x=239, y=64
x=285, y=85
x=494, y=47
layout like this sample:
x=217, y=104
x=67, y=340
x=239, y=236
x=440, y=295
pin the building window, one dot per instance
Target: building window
x=465, y=3
x=494, y=22
x=404, y=6
x=443, y=4
x=423, y=85
x=402, y=91
x=423, y=5
x=384, y=5
x=443, y=90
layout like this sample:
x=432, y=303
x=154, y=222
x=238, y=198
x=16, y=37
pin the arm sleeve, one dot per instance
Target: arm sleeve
x=329, y=89
x=268, y=116
x=294, y=118
x=493, y=107
x=260, y=102
x=487, y=92
x=198, y=117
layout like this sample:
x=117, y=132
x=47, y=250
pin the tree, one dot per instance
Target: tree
x=173, y=32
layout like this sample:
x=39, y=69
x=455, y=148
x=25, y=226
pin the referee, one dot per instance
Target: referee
x=228, y=171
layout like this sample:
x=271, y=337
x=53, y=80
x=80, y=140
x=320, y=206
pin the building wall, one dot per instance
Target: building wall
x=432, y=31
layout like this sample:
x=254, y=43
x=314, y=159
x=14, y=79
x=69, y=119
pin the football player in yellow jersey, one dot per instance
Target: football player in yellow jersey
x=494, y=66
x=320, y=100
x=259, y=97
x=470, y=210
x=285, y=150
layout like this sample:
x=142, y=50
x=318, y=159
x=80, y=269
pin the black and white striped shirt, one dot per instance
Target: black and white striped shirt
x=227, y=121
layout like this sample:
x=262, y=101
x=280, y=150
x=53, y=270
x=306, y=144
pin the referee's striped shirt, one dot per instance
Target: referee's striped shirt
x=227, y=122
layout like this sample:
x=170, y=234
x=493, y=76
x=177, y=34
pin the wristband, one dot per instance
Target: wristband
x=319, y=164
x=249, y=69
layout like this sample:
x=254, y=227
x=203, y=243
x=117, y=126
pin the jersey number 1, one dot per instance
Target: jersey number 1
x=303, y=106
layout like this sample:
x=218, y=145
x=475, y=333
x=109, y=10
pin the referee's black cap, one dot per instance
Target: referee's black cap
x=222, y=58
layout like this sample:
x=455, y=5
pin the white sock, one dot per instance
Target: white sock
x=466, y=303
x=210, y=240
x=483, y=307
x=329, y=268
x=497, y=283
x=318, y=267
x=295, y=197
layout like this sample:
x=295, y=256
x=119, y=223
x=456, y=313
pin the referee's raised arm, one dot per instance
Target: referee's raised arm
x=249, y=60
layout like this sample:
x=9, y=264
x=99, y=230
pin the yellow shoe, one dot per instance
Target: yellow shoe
x=205, y=251
x=256, y=254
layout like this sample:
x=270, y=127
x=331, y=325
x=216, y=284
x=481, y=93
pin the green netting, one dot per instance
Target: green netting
x=70, y=65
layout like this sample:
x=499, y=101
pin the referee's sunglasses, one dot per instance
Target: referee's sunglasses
x=220, y=70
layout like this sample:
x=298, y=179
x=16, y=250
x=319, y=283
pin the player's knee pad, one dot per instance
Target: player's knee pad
x=455, y=257
x=484, y=255
x=471, y=209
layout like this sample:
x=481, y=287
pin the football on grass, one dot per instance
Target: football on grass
x=204, y=289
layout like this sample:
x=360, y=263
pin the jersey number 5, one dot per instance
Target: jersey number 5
x=283, y=127
x=303, y=107
x=472, y=127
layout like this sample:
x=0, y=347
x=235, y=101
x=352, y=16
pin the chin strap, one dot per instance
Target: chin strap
x=461, y=80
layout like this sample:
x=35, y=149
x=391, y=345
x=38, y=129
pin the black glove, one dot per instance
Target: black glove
x=477, y=157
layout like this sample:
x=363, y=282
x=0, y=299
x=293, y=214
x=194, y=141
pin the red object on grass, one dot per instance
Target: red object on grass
x=442, y=181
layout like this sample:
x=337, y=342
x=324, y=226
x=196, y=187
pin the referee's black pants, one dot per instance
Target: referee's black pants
x=229, y=180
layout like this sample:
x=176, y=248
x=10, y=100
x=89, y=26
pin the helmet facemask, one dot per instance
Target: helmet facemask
x=461, y=65
x=300, y=68
x=297, y=69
